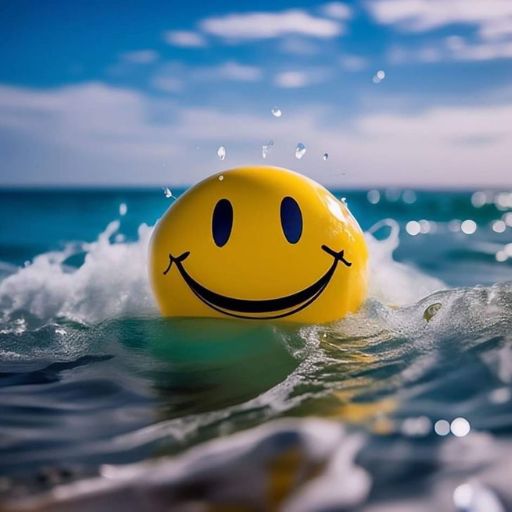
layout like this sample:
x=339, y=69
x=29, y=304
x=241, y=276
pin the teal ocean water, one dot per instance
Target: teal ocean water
x=406, y=405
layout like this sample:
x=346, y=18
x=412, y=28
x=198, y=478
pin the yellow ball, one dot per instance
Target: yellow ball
x=258, y=243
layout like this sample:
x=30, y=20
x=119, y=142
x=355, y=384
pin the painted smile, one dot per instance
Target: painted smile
x=259, y=309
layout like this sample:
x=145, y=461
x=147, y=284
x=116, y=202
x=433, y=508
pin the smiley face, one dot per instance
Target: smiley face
x=258, y=243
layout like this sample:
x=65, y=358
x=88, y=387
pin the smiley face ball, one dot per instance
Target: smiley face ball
x=258, y=243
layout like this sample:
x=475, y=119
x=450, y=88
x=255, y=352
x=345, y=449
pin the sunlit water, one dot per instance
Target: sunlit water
x=420, y=377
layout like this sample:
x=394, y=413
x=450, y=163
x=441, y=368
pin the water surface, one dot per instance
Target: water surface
x=90, y=374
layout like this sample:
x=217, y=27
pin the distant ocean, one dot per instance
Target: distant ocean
x=407, y=403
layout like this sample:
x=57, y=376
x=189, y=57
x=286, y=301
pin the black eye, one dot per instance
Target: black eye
x=291, y=220
x=222, y=222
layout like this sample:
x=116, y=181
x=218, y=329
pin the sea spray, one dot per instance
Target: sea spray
x=111, y=282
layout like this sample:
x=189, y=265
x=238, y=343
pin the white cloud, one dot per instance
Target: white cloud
x=477, y=51
x=173, y=76
x=93, y=133
x=424, y=15
x=232, y=70
x=140, y=56
x=442, y=124
x=184, y=38
x=267, y=25
x=301, y=46
x=498, y=28
x=292, y=79
x=458, y=146
x=402, y=55
x=87, y=133
x=337, y=10
x=491, y=18
x=353, y=62
x=167, y=84
x=452, y=48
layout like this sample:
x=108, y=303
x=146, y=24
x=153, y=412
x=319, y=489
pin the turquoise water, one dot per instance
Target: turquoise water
x=91, y=375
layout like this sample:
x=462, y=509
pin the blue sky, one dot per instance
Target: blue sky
x=99, y=92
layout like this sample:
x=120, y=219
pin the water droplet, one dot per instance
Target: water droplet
x=392, y=194
x=503, y=201
x=442, y=427
x=479, y=199
x=325, y=156
x=277, y=112
x=460, y=427
x=499, y=226
x=300, y=151
x=413, y=227
x=221, y=152
x=501, y=256
x=168, y=193
x=373, y=196
x=123, y=209
x=266, y=148
x=424, y=226
x=379, y=76
x=468, y=227
x=507, y=217
x=431, y=311
x=221, y=178
x=408, y=196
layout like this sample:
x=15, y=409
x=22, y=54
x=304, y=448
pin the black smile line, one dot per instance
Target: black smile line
x=236, y=307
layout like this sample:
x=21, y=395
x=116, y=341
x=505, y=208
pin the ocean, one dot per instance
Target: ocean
x=405, y=405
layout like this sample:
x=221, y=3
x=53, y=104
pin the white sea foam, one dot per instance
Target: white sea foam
x=391, y=282
x=113, y=281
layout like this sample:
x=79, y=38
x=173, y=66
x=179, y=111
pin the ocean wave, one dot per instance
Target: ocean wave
x=112, y=279
x=145, y=385
x=111, y=282
x=307, y=465
x=294, y=466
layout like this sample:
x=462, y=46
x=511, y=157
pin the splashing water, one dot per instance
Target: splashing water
x=300, y=151
x=168, y=193
x=276, y=112
x=266, y=148
x=422, y=372
x=48, y=289
x=221, y=152
x=111, y=281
